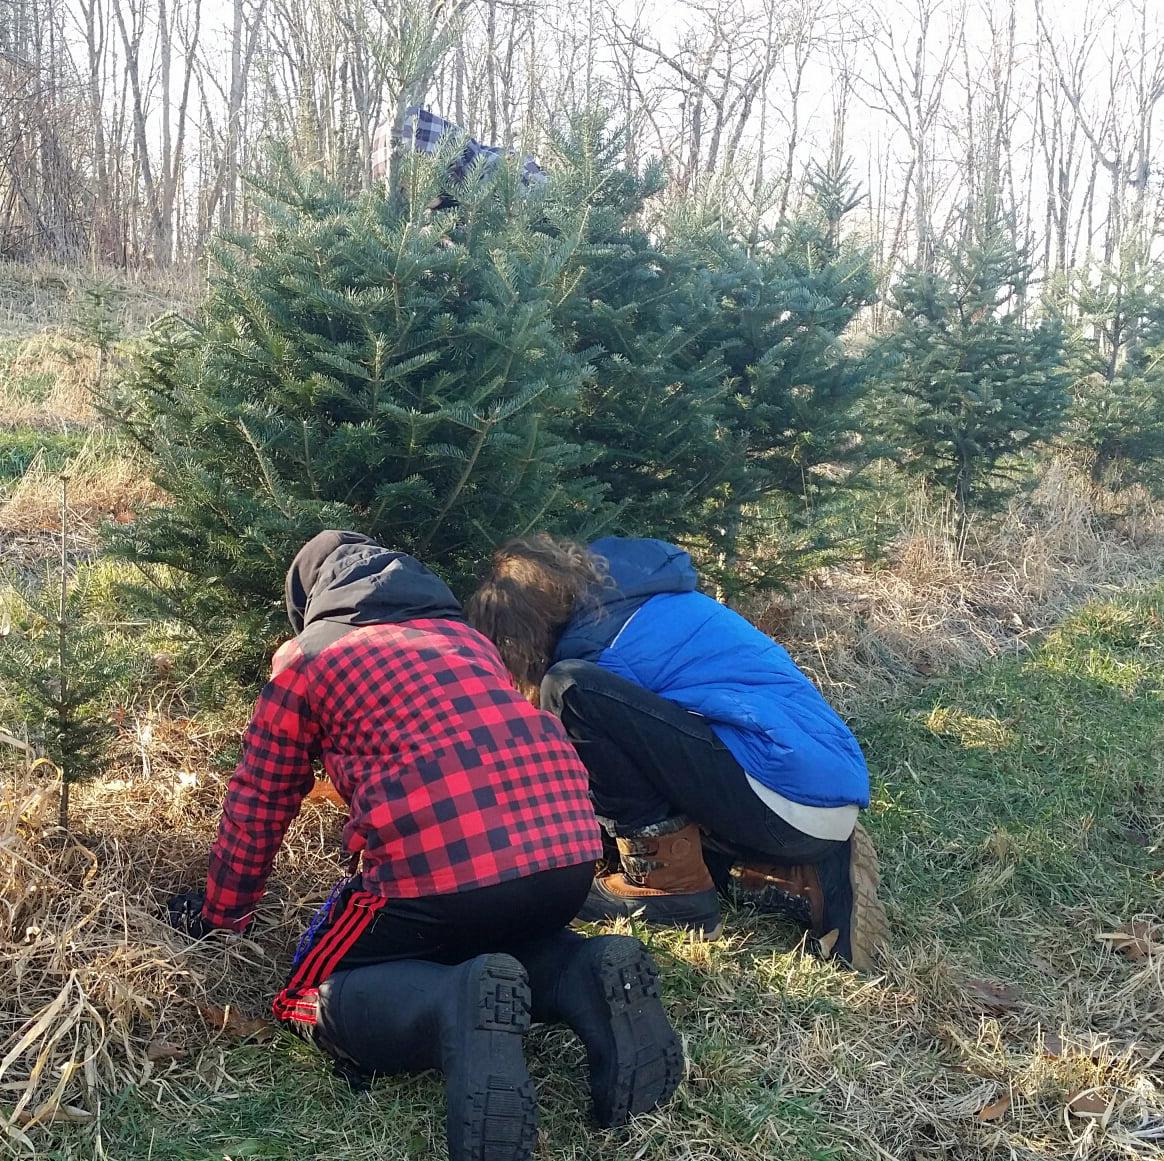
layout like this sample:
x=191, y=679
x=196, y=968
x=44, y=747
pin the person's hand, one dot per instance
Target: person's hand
x=184, y=911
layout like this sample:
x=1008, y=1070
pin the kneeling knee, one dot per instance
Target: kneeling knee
x=559, y=679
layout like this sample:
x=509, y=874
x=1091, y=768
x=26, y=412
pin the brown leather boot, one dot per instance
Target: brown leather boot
x=792, y=891
x=835, y=899
x=324, y=791
x=662, y=878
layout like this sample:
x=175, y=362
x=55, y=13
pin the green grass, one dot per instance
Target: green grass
x=1019, y=812
x=20, y=447
x=1033, y=787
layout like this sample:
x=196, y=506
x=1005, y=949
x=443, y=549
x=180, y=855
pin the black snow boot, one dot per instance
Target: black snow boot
x=467, y=1021
x=607, y=990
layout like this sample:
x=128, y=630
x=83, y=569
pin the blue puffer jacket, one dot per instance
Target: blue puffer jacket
x=655, y=629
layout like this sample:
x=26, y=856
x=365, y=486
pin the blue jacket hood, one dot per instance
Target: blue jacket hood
x=642, y=568
x=638, y=569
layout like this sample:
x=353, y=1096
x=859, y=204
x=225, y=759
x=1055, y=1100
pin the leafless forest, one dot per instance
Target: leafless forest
x=127, y=127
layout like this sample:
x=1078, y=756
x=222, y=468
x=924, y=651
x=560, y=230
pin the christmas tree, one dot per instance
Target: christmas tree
x=558, y=357
x=361, y=363
x=57, y=672
x=1116, y=427
x=966, y=384
x=650, y=409
x=785, y=300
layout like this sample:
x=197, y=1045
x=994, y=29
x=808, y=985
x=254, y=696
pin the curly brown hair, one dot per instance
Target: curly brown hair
x=534, y=586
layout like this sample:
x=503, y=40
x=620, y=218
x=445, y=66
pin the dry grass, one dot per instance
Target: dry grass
x=86, y=955
x=103, y=484
x=46, y=387
x=68, y=368
x=868, y=635
x=788, y=1057
x=37, y=296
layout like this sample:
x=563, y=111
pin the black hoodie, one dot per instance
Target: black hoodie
x=341, y=580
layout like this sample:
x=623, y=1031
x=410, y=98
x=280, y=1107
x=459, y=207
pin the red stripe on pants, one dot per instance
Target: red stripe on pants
x=337, y=939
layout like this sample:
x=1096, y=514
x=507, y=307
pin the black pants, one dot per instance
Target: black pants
x=453, y=928
x=650, y=759
x=363, y=929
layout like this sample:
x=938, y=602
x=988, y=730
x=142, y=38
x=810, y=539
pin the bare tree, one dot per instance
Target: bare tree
x=908, y=87
x=127, y=126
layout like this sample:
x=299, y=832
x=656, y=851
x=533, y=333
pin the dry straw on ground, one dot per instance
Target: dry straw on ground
x=35, y=297
x=869, y=634
x=98, y=993
x=101, y=995
x=91, y=975
x=102, y=487
x=104, y=484
x=68, y=366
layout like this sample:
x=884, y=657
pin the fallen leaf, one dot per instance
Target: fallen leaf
x=44, y=1116
x=232, y=1022
x=164, y=1050
x=996, y=1109
x=994, y=996
x=1136, y=940
x=1087, y=1103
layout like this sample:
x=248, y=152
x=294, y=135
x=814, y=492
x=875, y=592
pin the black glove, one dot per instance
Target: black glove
x=184, y=912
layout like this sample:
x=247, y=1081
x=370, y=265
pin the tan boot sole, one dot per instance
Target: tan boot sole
x=870, y=931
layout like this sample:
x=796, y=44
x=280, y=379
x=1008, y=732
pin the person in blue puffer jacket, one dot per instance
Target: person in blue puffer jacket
x=715, y=764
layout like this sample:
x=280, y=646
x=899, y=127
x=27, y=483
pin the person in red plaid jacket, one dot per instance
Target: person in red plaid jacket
x=471, y=821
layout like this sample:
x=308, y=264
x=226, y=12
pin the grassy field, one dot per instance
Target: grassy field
x=1019, y=813
x=1013, y=712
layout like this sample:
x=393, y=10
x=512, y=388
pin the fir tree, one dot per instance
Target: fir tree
x=359, y=363
x=785, y=301
x=640, y=315
x=442, y=381
x=966, y=384
x=60, y=689
x=1116, y=428
x=57, y=671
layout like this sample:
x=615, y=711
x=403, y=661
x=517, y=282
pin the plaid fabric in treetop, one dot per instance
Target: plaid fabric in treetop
x=455, y=781
x=423, y=131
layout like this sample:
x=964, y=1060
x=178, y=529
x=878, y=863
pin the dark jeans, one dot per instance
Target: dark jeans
x=650, y=759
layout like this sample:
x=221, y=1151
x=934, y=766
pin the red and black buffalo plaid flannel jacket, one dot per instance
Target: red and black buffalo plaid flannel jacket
x=454, y=780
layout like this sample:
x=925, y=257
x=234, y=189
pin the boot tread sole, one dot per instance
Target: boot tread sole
x=648, y=1058
x=498, y=1109
x=870, y=925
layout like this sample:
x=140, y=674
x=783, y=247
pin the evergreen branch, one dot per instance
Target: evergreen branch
x=458, y=488
x=264, y=467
